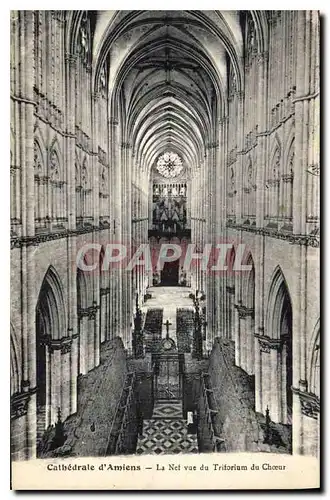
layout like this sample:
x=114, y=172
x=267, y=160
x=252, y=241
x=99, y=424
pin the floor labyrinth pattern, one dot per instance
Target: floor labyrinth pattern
x=166, y=432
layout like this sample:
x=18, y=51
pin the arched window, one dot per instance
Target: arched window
x=40, y=189
x=287, y=186
x=78, y=191
x=83, y=77
x=249, y=191
x=169, y=164
x=104, y=193
x=273, y=186
x=86, y=190
x=57, y=188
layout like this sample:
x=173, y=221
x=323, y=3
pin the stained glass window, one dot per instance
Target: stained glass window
x=169, y=164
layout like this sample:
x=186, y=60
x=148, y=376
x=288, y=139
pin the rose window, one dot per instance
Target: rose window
x=169, y=165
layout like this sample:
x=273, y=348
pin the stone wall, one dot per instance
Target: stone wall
x=99, y=391
x=234, y=419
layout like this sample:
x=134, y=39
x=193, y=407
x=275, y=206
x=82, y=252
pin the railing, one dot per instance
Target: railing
x=217, y=442
x=116, y=440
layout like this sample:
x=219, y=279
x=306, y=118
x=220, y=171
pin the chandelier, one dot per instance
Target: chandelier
x=169, y=164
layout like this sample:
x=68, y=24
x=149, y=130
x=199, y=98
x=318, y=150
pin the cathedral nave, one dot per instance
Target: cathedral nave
x=181, y=130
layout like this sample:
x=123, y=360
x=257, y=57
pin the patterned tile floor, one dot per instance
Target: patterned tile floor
x=166, y=432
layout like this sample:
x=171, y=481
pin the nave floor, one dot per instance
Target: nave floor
x=166, y=432
x=169, y=298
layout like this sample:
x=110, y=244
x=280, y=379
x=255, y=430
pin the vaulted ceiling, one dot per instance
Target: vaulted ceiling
x=168, y=75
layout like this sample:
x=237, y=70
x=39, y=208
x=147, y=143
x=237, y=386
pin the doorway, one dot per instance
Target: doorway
x=170, y=274
x=167, y=377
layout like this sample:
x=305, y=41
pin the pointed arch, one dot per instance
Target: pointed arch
x=248, y=285
x=57, y=179
x=84, y=290
x=52, y=306
x=39, y=138
x=40, y=180
x=85, y=178
x=278, y=293
x=278, y=329
x=275, y=146
x=51, y=327
x=289, y=142
x=55, y=156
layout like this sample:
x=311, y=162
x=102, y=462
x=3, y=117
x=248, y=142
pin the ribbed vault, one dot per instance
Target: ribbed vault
x=167, y=78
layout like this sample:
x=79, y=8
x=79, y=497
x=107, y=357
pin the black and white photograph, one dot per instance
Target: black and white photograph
x=165, y=239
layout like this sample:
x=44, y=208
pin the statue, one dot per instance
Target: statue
x=137, y=334
x=183, y=277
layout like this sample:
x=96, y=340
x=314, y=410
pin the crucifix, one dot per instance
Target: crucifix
x=167, y=324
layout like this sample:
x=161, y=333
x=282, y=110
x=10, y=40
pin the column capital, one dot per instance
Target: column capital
x=96, y=96
x=240, y=95
x=71, y=59
x=19, y=404
x=89, y=312
x=310, y=403
x=212, y=145
x=113, y=121
x=244, y=311
x=267, y=343
x=223, y=120
x=63, y=344
x=262, y=57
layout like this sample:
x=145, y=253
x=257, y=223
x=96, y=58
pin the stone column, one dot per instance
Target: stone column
x=237, y=337
x=265, y=399
x=91, y=336
x=18, y=424
x=65, y=377
x=56, y=388
x=283, y=389
x=83, y=346
x=74, y=372
x=239, y=162
x=243, y=340
x=258, y=376
x=275, y=382
x=26, y=128
x=249, y=324
x=301, y=110
x=271, y=372
x=116, y=195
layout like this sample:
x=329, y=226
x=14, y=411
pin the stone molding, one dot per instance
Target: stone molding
x=243, y=311
x=89, y=312
x=19, y=242
x=19, y=404
x=212, y=145
x=306, y=97
x=267, y=343
x=294, y=239
x=310, y=403
x=63, y=344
